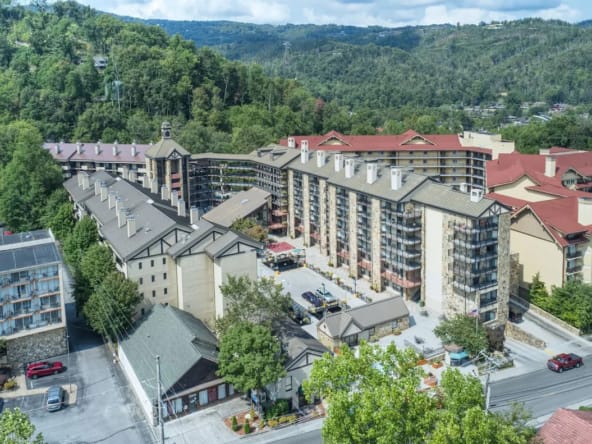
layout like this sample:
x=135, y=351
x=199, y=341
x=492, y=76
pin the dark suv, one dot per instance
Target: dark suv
x=564, y=361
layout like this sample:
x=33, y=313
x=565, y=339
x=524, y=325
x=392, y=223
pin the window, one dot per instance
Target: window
x=222, y=391
x=164, y=276
x=164, y=261
x=288, y=383
x=153, y=293
x=139, y=265
x=141, y=281
x=371, y=331
x=166, y=291
x=152, y=278
x=142, y=295
x=152, y=262
x=203, y=397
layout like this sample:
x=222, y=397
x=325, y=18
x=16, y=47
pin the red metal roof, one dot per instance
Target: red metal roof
x=408, y=141
x=567, y=426
x=509, y=201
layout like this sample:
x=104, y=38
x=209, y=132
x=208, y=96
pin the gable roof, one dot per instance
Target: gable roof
x=98, y=152
x=335, y=141
x=180, y=340
x=567, y=426
x=165, y=148
x=366, y=316
x=239, y=206
x=296, y=341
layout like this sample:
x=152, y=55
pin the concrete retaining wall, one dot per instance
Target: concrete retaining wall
x=536, y=311
x=515, y=332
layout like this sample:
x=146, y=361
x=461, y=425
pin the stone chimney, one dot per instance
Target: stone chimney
x=164, y=192
x=321, y=158
x=85, y=181
x=550, y=166
x=371, y=172
x=193, y=215
x=350, y=168
x=291, y=142
x=396, y=178
x=174, y=198
x=131, y=225
x=476, y=195
x=304, y=152
x=181, y=207
x=338, y=162
x=585, y=210
x=104, y=191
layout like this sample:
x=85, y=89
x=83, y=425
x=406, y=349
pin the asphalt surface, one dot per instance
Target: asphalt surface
x=312, y=437
x=543, y=391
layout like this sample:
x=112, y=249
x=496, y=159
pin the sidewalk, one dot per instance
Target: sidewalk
x=22, y=390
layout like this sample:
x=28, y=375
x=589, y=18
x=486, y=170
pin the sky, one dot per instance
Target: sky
x=390, y=13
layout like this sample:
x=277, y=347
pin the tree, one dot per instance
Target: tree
x=17, y=428
x=61, y=222
x=110, y=308
x=97, y=262
x=464, y=331
x=26, y=182
x=259, y=301
x=250, y=356
x=83, y=235
x=374, y=397
x=249, y=227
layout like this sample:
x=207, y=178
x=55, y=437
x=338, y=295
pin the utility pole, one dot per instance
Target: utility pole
x=487, y=391
x=159, y=399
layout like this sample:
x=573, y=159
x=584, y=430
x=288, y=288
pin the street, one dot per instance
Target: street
x=543, y=391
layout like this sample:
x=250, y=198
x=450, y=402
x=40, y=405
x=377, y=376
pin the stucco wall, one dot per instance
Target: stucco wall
x=195, y=277
x=538, y=256
x=433, y=259
x=518, y=190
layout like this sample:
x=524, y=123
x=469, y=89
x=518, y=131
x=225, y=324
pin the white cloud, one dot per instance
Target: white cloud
x=349, y=12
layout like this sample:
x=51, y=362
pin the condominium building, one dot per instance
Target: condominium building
x=32, y=315
x=399, y=229
x=441, y=156
x=175, y=258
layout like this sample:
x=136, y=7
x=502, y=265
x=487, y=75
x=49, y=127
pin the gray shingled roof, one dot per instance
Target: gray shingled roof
x=180, y=340
x=296, y=341
x=201, y=230
x=366, y=316
x=80, y=195
x=164, y=148
x=226, y=241
x=239, y=206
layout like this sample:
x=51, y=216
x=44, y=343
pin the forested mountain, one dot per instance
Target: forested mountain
x=422, y=66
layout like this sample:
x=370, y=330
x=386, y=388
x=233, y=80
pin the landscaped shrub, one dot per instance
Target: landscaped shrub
x=273, y=423
x=279, y=408
x=234, y=424
x=10, y=384
x=247, y=427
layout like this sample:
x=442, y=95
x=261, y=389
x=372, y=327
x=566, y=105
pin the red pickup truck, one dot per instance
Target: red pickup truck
x=564, y=361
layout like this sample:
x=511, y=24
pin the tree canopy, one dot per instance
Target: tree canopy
x=81, y=238
x=374, y=397
x=465, y=331
x=110, y=308
x=261, y=301
x=16, y=428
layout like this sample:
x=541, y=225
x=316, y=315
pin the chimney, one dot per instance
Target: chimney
x=118, y=204
x=585, y=210
x=321, y=157
x=550, y=166
x=79, y=180
x=115, y=148
x=125, y=172
x=476, y=195
x=97, y=150
x=131, y=225
x=544, y=151
x=132, y=176
x=350, y=168
x=58, y=148
x=97, y=187
x=338, y=162
x=85, y=181
x=304, y=144
x=291, y=142
x=154, y=186
x=133, y=149
x=174, y=198
x=181, y=207
x=396, y=178
x=193, y=215
x=78, y=147
x=371, y=172
x=304, y=152
x=111, y=197
x=104, y=191
x=121, y=216
x=463, y=187
x=164, y=192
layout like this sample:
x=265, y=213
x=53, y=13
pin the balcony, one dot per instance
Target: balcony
x=404, y=283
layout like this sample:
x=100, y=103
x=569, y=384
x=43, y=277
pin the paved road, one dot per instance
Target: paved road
x=543, y=391
x=312, y=437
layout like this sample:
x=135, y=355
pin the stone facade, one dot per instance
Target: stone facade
x=515, y=332
x=291, y=219
x=376, y=280
x=306, y=209
x=36, y=347
x=323, y=216
x=332, y=225
x=503, y=268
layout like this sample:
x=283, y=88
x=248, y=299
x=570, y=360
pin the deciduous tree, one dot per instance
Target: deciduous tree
x=17, y=428
x=465, y=331
x=83, y=235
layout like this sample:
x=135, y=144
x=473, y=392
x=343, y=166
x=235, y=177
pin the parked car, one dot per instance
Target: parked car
x=328, y=299
x=44, y=368
x=298, y=314
x=55, y=398
x=316, y=304
x=564, y=361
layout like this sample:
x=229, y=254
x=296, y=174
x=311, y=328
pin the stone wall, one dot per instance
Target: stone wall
x=515, y=332
x=36, y=347
x=536, y=311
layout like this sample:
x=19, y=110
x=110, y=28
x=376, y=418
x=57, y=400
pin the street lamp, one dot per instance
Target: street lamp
x=355, y=286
